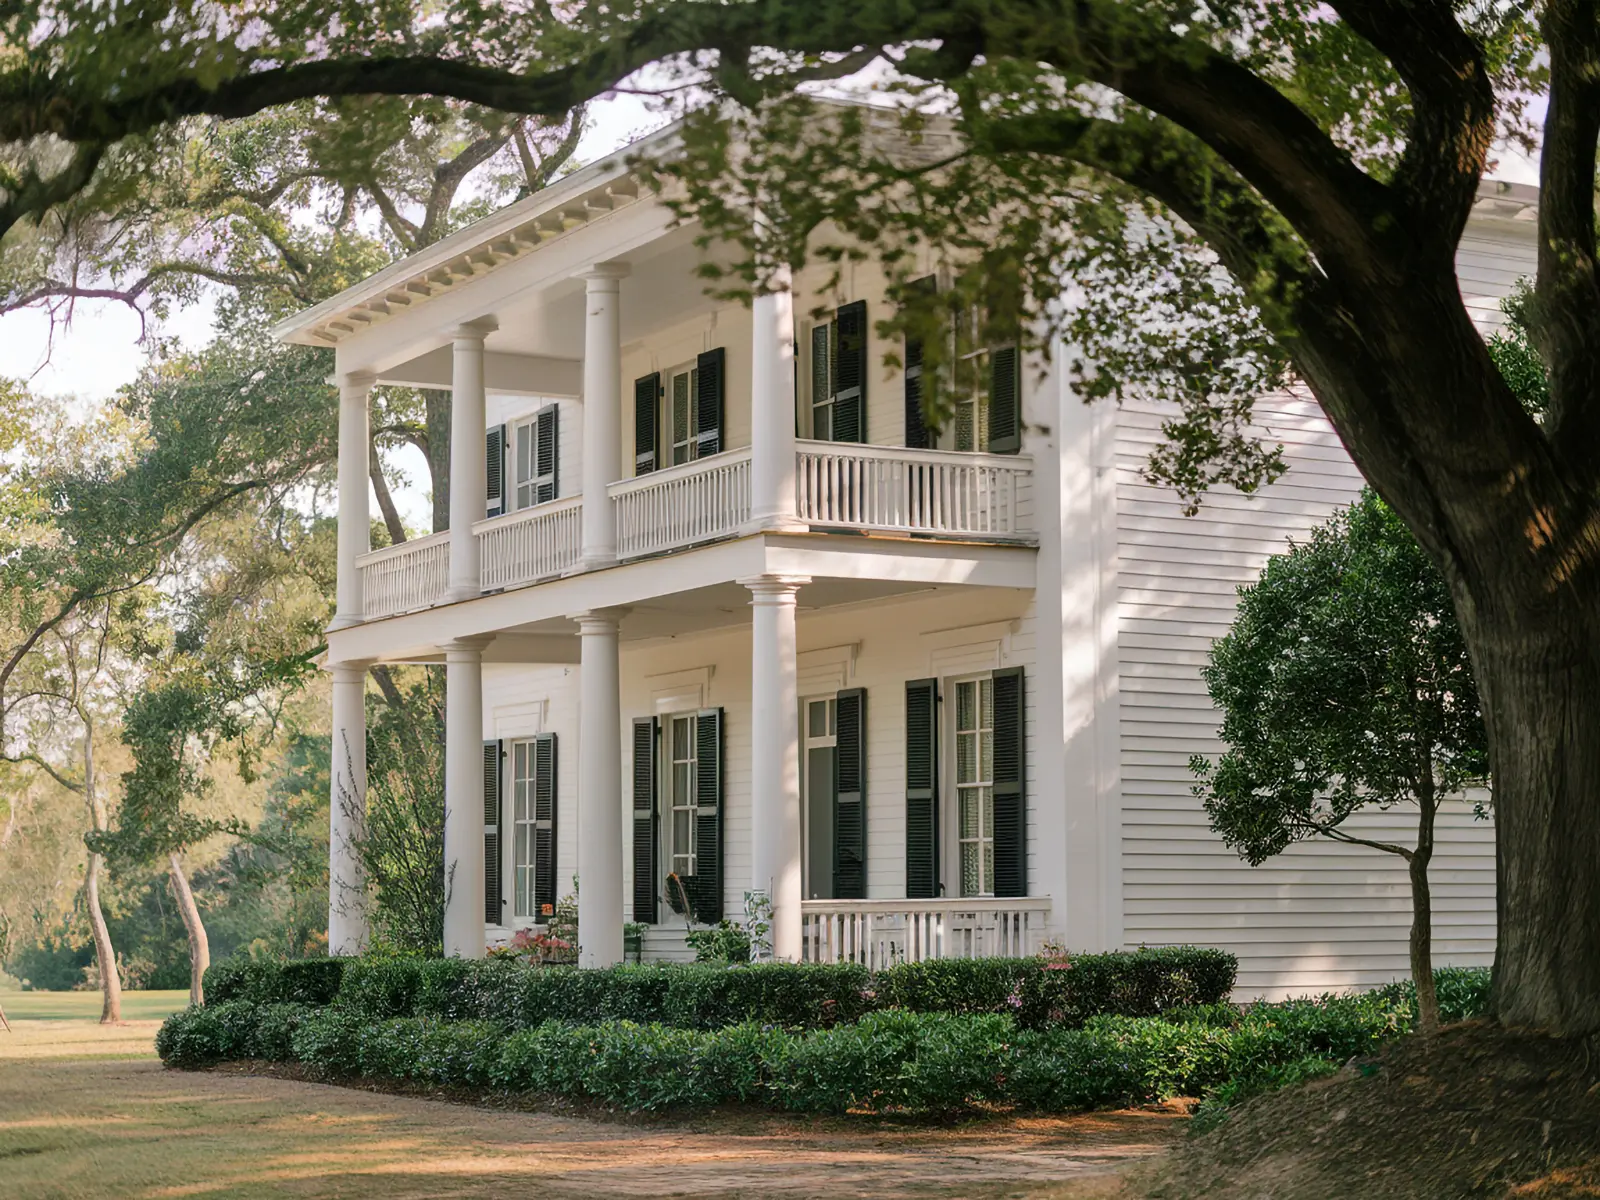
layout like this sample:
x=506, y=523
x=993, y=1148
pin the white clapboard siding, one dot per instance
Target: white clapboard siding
x=1319, y=916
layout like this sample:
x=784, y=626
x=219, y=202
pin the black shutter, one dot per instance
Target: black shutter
x=918, y=435
x=495, y=472
x=705, y=893
x=646, y=418
x=544, y=826
x=547, y=455
x=850, y=796
x=493, y=899
x=644, y=819
x=1005, y=401
x=1010, y=804
x=850, y=374
x=922, y=789
x=708, y=401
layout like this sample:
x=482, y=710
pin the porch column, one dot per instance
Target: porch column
x=469, y=468
x=355, y=529
x=348, y=929
x=599, y=791
x=464, y=907
x=602, y=405
x=772, y=407
x=775, y=756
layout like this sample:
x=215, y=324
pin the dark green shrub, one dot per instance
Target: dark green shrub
x=550, y=1058
x=1064, y=1070
x=1042, y=993
x=433, y=1051
x=1463, y=993
x=273, y=1036
x=330, y=1038
x=724, y=942
x=274, y=981
x=1168, y=1059
x=198, y=1037
x=380, y=988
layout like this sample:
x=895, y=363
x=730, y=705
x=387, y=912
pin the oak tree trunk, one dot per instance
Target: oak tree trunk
x=105, y=954
x=199, y=947
x=436, y=407
x=1540, y=683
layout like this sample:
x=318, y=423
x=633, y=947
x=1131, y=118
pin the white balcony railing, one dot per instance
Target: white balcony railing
x=536, y=543
x=879, y=933
x=900, y=490
x=401, y=578
x=679, y=506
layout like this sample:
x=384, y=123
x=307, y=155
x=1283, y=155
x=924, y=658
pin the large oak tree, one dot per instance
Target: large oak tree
x=1327, y=154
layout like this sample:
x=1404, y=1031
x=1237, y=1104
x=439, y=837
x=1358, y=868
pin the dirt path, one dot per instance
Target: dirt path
x=64, y=1120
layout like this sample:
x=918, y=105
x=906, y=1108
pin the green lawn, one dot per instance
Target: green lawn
x=85, y=1006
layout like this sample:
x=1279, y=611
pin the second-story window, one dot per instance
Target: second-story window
x=679, y=416
x=969, y=359
x=836, y=370
x=536, y=450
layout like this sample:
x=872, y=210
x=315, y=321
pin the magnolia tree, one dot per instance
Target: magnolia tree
x=1248, y=188
x=1345, y=685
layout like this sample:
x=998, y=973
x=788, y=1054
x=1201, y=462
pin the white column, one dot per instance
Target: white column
x=775, y=757
x=347, y=808
x=599, y=791
x=469, y=424
x=602, y=409
x=772, y=408
x=355, y=527
x=463, y=798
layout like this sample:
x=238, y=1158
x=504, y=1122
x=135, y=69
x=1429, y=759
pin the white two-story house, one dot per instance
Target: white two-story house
x=716, y=603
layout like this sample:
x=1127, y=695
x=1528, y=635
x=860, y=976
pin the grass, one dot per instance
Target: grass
x=85, y=1006
x=87, y=1111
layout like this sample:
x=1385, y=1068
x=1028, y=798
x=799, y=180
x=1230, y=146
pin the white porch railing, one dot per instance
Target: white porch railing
x=879, y=933
x=679, y=506
x=901, y=490
x=533, y=544
x=400, y=578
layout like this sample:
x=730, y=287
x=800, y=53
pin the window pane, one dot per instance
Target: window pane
x=821, y=379
x=966, y=758
x=680, y=738
x=964, y=705
x=985, y=758
x=988, y=868
x=969, y=813
x=971, y=868
x=833, y=716
x=817, y=719
x=986, y=704
x=986, y=811
x=680, y=830
x=680, y=782
x=524, y=453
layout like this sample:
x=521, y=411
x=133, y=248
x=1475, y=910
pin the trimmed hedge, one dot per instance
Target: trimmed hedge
x=1036, y=992
x=891, y=1060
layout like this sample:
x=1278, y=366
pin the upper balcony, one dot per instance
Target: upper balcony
x=886, y=490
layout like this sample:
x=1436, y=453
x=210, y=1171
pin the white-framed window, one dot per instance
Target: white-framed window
x=534, y=450
x=819, y=727
x=678, y=752
x=970, y=384
x=973, y=738
x=522, y=828
x=821, y=371
x=680, y=413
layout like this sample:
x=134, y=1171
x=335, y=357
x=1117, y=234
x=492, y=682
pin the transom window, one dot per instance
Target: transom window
x=679, y=746
x=975, y=784
x=681, y=415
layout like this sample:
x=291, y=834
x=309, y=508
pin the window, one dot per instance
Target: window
x=823, y=370
x=534, y=448
x=974, y=730
x=820, y=728
x=679, y=750
x=969, y=426
x=680, y=417
x=522, y=827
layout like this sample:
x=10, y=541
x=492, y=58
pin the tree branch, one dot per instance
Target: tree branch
x=447, y=180
x=1567, y=312
x=380, y=487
